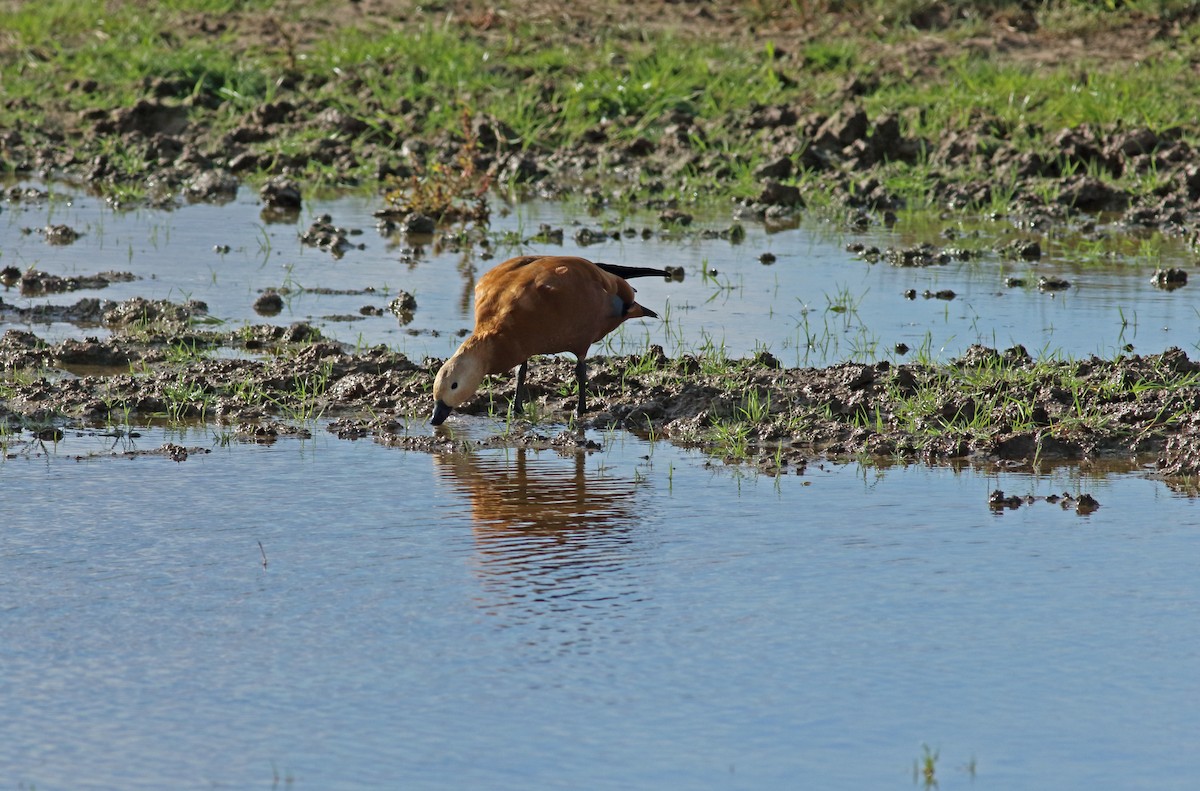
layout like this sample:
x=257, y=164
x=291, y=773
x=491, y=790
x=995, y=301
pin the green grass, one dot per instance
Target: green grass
x=125, y=47
x=1016, y=95
x=731, y=440
x=187, y=398
x=305, y=400
x=925, y=768
x=416, y=78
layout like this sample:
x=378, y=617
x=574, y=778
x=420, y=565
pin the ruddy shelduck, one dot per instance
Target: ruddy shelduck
x=537, y=304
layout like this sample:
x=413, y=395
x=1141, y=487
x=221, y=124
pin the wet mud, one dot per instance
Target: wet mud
x=845, y=153
x=264, y=382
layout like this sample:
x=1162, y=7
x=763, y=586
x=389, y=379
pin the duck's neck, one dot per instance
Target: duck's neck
x=496, y=353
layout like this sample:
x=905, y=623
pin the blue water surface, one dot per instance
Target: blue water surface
x=628, y=618
x=814, y=304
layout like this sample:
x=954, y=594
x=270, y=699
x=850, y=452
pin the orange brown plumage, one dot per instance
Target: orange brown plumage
x=534, y=305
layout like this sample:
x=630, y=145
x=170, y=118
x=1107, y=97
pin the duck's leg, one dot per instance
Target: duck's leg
x=581, y=381
x=519, y=398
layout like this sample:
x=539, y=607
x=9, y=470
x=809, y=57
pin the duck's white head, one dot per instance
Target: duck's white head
x=455, y=383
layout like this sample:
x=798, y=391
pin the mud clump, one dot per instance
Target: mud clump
x=153, y=316
x=1050, y=283
x=1169, y=279
x=1082, y=504
x=59, y=234
x=268, y=432
x=403, y=306
x=178, y=453
x=86, y=312
x=324, y=235
x=281, y=194
x=410, y=224
x=35, y=282
x=212, y=186
x=269, y=304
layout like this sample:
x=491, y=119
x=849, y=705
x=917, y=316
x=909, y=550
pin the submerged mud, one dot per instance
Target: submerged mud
x=264, y=382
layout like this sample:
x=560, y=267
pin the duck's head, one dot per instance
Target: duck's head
x=455, y=384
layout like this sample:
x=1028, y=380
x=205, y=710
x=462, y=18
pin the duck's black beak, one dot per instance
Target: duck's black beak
x=440, y=413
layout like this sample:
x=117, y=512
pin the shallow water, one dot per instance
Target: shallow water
x=816, y=305
x=632, y=618
x=626, y=619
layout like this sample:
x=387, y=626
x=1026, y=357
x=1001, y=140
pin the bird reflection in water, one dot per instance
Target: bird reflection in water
x=549, y=538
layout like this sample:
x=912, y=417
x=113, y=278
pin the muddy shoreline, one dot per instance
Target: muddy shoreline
x=846, y=156
x=988, y=406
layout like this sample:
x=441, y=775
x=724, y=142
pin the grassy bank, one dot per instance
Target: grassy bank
x=352, y=94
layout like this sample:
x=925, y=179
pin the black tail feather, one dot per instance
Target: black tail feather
x=632, y=271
